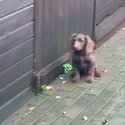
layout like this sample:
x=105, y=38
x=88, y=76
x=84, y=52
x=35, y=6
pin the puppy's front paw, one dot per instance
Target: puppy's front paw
x=75, y=78
x=97, y=74
x=90, y=79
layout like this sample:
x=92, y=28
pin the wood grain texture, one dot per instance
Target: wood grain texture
x=16, y=37
x=15, y=20
x=9, y=6
x=105, y=8
x=16, y=54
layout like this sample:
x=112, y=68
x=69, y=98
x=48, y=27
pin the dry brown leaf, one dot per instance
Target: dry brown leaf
x=61, y=78
x=58, y=97
x=49, y=88
x=31, y=109
x=92, y=91
x=64, y=113
x=64, y=82
x=105, y=45
x=85, y=118
x=105, y=70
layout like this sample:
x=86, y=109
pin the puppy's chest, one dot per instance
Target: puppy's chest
x=80, y=60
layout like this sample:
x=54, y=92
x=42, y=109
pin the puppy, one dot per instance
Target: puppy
x=83, y=61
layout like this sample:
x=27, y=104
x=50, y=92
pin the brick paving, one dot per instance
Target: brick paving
x=102, y=102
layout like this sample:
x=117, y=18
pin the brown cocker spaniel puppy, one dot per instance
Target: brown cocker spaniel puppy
x=83, y=61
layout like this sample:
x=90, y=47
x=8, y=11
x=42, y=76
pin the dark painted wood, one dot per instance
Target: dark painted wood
x=16, y=20
x=9, y=6
x=54, y=65
x=102, y=4
x=16, y=37
x=14, y=104
x=55, y=21
x=38, y=33
x=106, y=7
x=15, y=87
x=16, y=71
x=107, y=25
x=16, y=54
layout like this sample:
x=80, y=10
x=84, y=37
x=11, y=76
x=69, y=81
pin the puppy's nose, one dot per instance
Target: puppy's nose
x=75, y=46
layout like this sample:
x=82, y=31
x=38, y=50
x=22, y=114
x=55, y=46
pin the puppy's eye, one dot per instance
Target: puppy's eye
x=80, y=40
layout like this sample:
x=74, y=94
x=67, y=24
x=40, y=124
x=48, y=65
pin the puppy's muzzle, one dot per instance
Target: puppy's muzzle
x=78, y=46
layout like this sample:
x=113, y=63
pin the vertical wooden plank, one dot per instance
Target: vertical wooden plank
x=38, y=34
x=60, y=29
x=66, y=24
x=47, y=29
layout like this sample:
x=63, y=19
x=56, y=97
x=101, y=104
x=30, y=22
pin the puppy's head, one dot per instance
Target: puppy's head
x=82, y=42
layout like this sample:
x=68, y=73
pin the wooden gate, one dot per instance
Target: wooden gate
x=55, y=21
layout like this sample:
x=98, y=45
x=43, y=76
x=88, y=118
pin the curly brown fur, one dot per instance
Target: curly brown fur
x=82, y=59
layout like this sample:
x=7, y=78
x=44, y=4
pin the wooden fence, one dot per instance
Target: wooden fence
x=16, y=54
x=109, y=14
x=34, y=40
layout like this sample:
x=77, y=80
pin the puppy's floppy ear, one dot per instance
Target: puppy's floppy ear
x=89, y=44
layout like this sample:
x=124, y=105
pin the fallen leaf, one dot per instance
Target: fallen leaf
x=49, y=88
x=92, y=91
x=64, y=82
x=42, y=88
x=58, y=97
x=31, y=109
x=105, y=45
x=61, y=78
x=105, y=70
x=85, y=118
x=64, y=113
